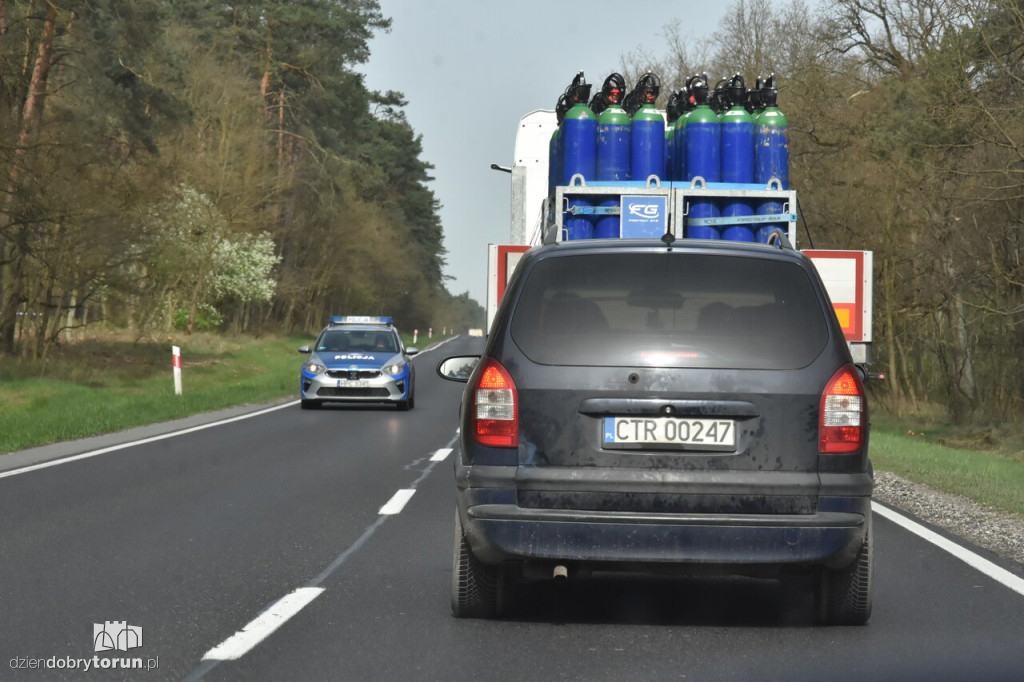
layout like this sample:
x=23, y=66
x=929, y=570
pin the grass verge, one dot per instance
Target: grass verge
x=96, y=387
x=990, y=478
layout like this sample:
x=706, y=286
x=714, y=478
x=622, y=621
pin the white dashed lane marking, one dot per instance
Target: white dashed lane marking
x=397, y=502
x=264, y=625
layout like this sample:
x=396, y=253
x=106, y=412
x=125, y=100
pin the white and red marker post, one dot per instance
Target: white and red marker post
x=176, y=353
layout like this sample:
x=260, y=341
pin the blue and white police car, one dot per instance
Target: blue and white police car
x=358, y=360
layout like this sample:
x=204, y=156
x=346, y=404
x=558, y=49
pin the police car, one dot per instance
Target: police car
x=358, y=360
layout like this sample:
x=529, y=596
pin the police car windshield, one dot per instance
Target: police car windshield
x=357, y=340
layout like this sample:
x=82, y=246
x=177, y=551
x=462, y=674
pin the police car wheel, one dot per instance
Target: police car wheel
x=408, y=403
x=310, y=404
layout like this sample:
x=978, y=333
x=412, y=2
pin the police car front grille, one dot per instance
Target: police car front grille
x=353, y=375
x=331, y=392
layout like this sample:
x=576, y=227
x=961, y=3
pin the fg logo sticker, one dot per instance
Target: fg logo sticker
x=648, y=211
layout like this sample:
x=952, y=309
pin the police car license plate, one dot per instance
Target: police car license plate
x=353, y=383
x=719, y=434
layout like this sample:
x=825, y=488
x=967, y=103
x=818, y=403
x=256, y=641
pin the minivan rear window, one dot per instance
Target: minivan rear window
x=669, y=309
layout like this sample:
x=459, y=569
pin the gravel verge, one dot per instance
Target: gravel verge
x=995, y=530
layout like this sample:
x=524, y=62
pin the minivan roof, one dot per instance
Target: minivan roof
x=731, y=247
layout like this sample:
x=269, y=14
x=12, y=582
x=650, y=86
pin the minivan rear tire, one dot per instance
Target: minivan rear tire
x=476, y=587
x=845, y=594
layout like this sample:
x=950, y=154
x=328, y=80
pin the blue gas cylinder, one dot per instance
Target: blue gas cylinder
x=613, y=144
x=703, y=158
x=614, y=134
x=673, y=112
x=670, y=152
x=553, y=163
x=577, y=142
x=679, y=143
x=771, y=153
x=737, y=158
x=647, y=153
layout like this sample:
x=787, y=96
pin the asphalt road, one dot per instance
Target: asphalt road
x=256, y=550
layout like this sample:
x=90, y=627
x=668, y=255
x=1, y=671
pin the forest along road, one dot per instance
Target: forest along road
x=316, y=545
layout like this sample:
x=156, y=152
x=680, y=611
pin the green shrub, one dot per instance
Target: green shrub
x=207, y=318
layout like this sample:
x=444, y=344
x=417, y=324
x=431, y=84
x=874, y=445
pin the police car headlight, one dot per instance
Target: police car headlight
x=314, y=368
x=395, y=369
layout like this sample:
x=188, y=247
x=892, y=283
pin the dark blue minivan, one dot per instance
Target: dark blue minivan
x=689, y=407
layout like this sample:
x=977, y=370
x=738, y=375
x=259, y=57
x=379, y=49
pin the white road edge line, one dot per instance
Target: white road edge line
x=441, y=455
x=438, y=344
x=397, y=502
x=997, y=573
x=261, y=627
x=143, y=441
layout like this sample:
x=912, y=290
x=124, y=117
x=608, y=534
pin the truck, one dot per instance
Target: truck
x=652, y=207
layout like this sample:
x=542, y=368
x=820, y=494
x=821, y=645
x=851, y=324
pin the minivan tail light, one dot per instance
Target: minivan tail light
x=495, y=407
x=841, y=425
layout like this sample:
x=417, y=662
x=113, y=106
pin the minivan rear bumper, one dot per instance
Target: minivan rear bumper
x=499, y=533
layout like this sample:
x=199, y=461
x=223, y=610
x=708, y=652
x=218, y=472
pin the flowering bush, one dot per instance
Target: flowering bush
x=194, y=256
x=243, y=269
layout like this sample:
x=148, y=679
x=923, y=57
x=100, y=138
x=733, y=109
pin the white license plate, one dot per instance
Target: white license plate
x=353, y=383
x=714, y=433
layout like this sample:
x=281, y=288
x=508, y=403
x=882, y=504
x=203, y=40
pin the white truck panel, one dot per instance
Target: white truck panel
x=530, y=175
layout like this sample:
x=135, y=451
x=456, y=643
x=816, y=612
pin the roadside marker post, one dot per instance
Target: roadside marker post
x=176, y=353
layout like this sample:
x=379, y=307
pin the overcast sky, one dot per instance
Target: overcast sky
x=471, y=68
